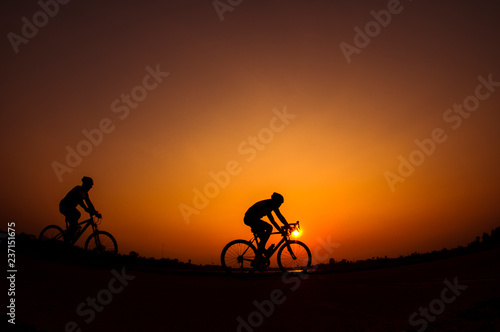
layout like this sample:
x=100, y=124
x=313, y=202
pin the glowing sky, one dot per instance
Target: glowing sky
x=241, y=101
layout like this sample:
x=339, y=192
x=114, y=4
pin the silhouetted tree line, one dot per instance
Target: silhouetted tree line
x=59, y=251
x=487, y=241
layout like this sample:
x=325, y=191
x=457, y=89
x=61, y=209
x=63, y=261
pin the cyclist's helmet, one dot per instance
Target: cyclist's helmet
x=277, y=198
x=87, y=180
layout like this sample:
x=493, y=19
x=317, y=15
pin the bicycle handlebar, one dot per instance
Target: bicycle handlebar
x=288, y=229
x=95, y=213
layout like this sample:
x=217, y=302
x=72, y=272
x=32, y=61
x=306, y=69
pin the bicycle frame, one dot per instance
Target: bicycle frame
x=284, y=239
x=88, y=222
x=242, y=256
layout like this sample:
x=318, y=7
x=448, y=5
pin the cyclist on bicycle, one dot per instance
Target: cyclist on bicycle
x=79, y=195
x=260, y=227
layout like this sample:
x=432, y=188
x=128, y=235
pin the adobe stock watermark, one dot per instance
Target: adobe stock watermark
x=437, y=306
x=265, y=308
x=372, y=29
x=250, y=148
x=39, y=19
x=88, y=310
x=454, y=117
x=120, y=106
x=222, y=6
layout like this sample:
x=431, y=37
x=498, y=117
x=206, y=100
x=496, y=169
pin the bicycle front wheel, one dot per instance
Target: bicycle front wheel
x=294, y=257
x=238, y=257
x=101, y=242
x=51, y=232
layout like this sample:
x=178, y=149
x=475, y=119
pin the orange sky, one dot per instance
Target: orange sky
x=205, y=93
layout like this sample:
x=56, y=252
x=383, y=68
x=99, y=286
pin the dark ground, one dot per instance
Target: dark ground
x=48, y=293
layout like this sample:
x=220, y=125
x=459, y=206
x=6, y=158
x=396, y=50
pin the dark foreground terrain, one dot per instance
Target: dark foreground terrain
x=65, y=295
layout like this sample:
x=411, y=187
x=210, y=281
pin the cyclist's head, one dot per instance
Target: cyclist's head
x=277, y=198
x=87, y=182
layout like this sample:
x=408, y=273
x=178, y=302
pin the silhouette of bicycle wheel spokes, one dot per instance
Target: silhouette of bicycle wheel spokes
x=238, y=257
x=101, y=242
x=52, y=232
x=294, y=257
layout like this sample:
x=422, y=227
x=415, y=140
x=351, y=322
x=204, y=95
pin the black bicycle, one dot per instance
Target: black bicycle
x=239, y=256
x=98, y=241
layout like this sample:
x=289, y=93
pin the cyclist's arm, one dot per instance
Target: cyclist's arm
x=90, y=207
x=271, y=219
x=280, y=217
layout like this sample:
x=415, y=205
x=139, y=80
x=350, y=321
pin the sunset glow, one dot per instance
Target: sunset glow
x=184, y=120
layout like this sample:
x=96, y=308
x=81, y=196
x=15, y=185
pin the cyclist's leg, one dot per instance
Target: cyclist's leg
x=268, y=229
x=72, y=215
x=252, y=223
x=263, y=230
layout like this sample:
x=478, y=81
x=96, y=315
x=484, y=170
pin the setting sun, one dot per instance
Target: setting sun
x=155, y=152
x=381, y=138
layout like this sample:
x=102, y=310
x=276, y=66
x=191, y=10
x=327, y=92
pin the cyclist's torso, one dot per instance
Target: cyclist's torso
x=74, y=197
x=260, y=209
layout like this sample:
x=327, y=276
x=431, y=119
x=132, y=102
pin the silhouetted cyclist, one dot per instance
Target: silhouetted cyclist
x=79, y=195
x=260, y=227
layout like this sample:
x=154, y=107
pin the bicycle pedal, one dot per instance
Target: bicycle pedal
x=256, y=264
x=263, y=266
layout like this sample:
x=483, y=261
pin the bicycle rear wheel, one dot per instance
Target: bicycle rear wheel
x=101, y=242
x=51, y=232
x=237, y=257
x=294, y=257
